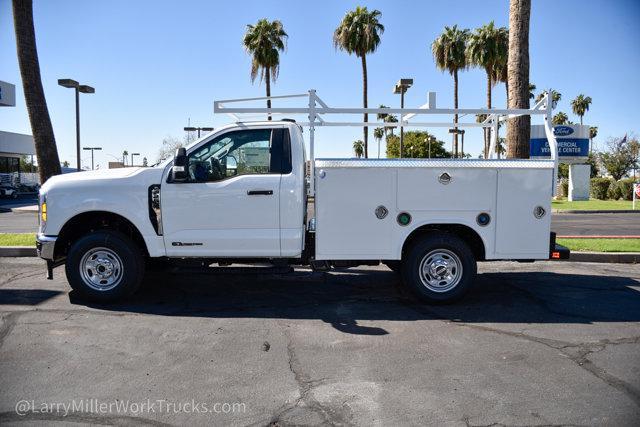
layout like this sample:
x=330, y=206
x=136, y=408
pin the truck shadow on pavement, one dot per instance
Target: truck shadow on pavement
x=344, y=298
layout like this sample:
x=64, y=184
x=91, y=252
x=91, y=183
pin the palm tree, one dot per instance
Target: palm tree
x=382, y=116
x=488, y=49
x=532, y=89
x=125, y=153
x=44, y=139
x=580, y=105
x=359, y=32
x=518, y=128
x=560, y=119
x=358, y=148
x=378, y=134
x=593, y=132
x=390, y=119
x=449, y=54
x=479, y=119
x=555, y=96
x=264, y=41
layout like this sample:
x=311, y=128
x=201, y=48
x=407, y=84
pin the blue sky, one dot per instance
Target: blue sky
x=155, y=64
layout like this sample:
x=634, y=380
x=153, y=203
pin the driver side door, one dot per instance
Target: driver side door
x=229, y=206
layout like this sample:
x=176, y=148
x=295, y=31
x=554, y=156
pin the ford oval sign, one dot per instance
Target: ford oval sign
x=562, y=130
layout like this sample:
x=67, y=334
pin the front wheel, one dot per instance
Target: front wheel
x=439, y=268
x=104, y=266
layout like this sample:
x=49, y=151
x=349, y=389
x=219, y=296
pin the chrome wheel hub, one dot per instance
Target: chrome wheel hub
x=440, y=270
x=101, y=269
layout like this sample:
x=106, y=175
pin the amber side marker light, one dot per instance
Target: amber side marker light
x=555, y=255
x=44, y=211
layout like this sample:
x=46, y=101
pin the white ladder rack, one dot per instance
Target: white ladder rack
x=316, y=108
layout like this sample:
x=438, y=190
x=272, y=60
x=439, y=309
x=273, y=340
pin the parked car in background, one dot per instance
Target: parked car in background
x=8, y=191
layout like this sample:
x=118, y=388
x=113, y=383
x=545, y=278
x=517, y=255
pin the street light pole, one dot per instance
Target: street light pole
x=401, y=128
x=78, y=129
x=92, y=150
x=72, y=84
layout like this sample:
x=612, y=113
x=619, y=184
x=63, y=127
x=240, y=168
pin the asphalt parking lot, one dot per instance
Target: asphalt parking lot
x=533, y=344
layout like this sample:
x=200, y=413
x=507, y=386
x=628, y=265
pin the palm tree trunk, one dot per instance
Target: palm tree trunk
x=455, y=116
x=487, y=133
x=518, y=128
x=364, y=104
x=580, y=120
x=267, y=76
x=44, y=139
x=489, y=90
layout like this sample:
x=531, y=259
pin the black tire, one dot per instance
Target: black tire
x=115, y=250
x=393, y=265
x=453, y=268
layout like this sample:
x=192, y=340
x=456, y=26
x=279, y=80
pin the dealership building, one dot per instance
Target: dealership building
x=13, y=145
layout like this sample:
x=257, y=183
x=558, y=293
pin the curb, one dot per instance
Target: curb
x=18, y=251
x=21, y=210
x=605, y=211
x=606, y=257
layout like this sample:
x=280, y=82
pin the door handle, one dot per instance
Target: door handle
x=259, y=192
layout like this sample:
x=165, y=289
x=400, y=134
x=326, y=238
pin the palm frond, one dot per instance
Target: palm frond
x=264, y=41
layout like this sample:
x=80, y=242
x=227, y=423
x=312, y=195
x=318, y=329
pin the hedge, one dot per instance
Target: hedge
x=626, y=188
x=600, y=187
x=614, y=192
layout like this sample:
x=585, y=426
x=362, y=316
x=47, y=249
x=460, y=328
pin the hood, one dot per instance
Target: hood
x=78, y=178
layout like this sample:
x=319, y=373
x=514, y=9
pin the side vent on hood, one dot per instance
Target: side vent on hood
x=155, y=212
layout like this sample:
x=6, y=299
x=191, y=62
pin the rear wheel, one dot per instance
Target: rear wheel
x=439, y=268
x=104, y=266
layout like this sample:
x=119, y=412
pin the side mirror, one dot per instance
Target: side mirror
x=232, y=166
x=179, y=171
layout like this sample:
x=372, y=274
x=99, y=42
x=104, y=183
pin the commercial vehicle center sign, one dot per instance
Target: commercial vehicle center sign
x=573, y=141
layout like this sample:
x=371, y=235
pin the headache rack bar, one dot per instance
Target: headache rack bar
x=316, y=108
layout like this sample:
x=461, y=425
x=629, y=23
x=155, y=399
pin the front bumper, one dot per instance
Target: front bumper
x=45, y=246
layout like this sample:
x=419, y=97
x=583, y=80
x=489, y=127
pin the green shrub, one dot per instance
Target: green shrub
x=599, y=187
x=626, y=188
x=614, y=192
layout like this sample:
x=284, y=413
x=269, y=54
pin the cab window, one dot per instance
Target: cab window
x=244, y=152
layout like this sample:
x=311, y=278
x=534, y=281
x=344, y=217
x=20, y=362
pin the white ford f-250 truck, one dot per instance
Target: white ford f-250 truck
x=241, y=193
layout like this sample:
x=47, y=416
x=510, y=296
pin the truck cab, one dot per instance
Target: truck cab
x=242, y=194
